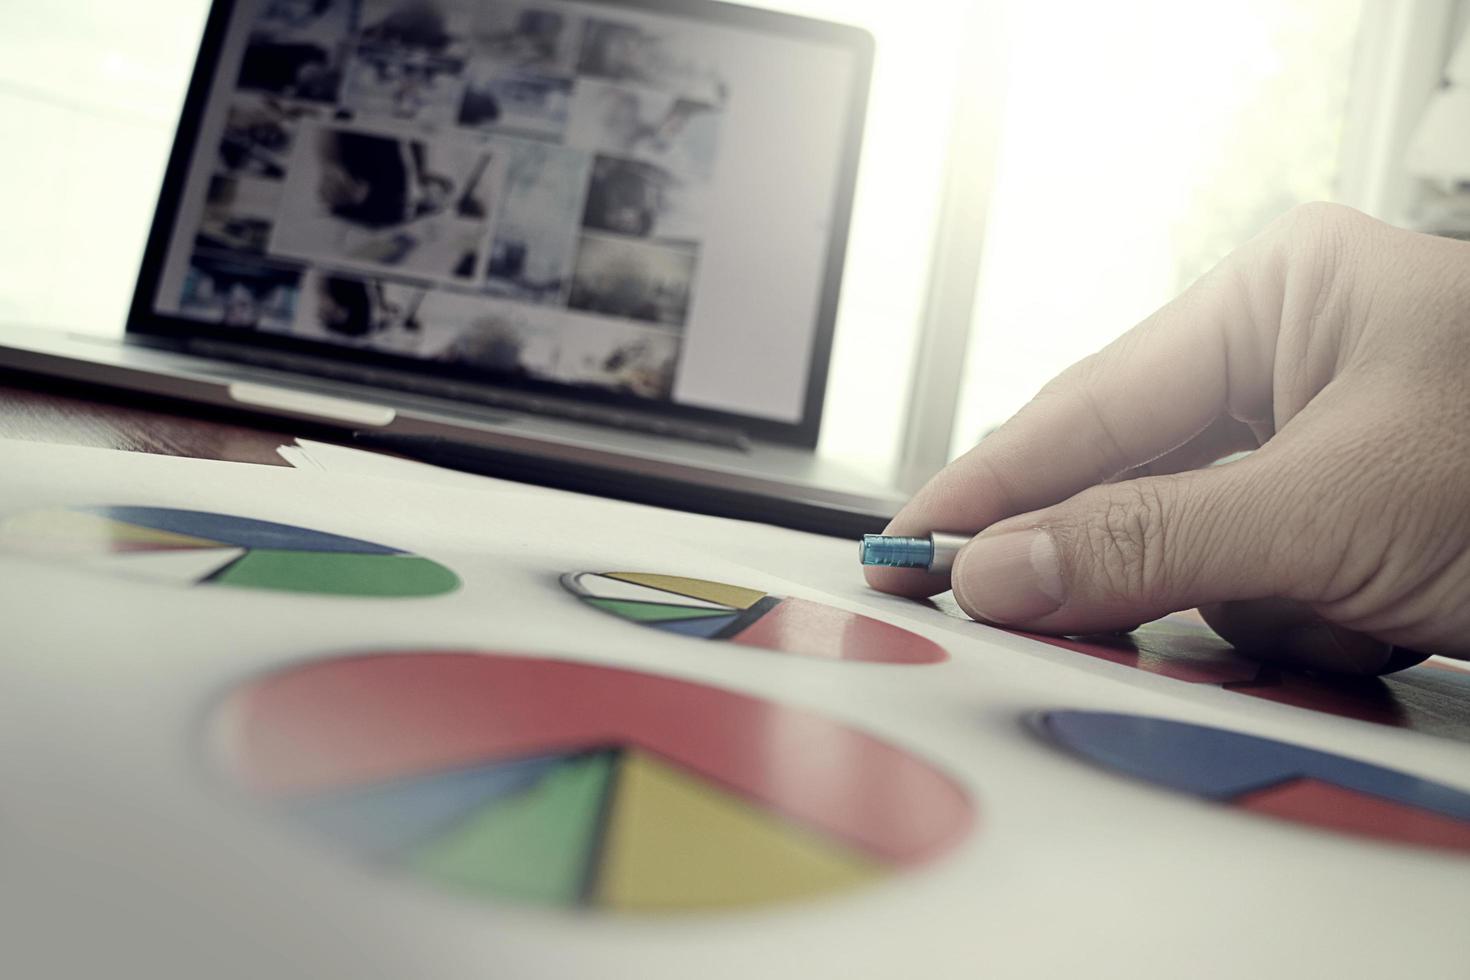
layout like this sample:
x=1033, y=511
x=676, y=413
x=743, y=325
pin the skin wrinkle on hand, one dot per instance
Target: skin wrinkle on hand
x=1345, y=343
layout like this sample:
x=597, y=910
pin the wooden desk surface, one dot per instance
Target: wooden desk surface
x=44, y=414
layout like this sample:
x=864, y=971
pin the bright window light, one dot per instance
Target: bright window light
x=895, y=213
x=91, y=91
x=1143, y=140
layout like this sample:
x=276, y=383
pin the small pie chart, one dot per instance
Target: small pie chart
x=706, y=610
x=1274, y=779
x=571, y=785
x=191, y=547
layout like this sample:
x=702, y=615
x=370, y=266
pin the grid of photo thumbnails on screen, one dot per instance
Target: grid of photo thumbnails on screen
x=508, y=187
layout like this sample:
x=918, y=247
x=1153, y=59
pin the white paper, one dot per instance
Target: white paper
x=125, y=854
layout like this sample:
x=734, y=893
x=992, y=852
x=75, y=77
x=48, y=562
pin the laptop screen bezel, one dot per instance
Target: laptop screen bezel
x=144, y=321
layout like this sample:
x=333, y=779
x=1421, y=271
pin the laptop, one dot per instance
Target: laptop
x=596, y=245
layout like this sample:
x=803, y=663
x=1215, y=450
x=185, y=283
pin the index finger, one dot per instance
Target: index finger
x=1148, y=392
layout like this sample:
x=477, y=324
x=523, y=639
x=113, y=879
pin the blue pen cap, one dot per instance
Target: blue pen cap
x=896, y=552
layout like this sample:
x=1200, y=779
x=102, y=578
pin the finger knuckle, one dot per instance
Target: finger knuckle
x=1125, y=539
x=1317, y=221
x=1314, y=238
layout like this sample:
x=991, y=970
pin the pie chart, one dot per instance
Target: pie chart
x=747, y=617
x=1275, y=779
x=570, y=785
x=190, y=547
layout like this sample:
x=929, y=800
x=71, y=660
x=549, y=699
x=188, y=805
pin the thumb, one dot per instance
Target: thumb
x=1120, y=554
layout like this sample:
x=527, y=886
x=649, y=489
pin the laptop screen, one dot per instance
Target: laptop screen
x=633, y=202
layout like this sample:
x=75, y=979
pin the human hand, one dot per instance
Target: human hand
x=1334, y=346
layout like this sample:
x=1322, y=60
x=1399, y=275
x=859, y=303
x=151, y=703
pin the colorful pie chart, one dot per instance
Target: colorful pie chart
x=190, y=547
x=1275, y=779
x=747, y=617
x=572, y=785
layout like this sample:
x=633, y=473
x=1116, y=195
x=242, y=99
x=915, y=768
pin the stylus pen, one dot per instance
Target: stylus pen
x=933, y=553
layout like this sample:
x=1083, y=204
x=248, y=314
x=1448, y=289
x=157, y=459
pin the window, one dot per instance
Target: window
x=1142, y=141
x=89, y=93
x=919, y=44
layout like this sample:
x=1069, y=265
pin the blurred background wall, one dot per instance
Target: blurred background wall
x=1128, y=146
